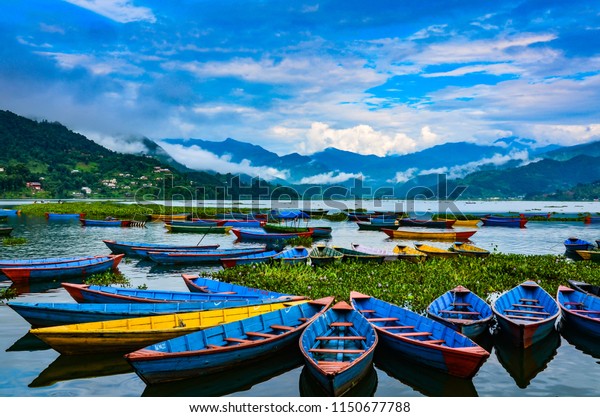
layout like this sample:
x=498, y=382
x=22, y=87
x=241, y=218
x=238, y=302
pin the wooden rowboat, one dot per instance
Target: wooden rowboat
x=297, y=255
x=261, y=235
x=78, y=268
x=584, y=287
x=338, y=348
x=589, y=255
x=225, y=346
x=526, y=314
x=111, y=223
x=324, y=255
x=435, y=224
x=505, y=221
x=387, y=254
x=435, y=252
x=138, y=248
x=5, y=231
x=190, y=228
x=64, y=216
x=408, y=253
x=468, y=250
x=126, y=335
x=454, y=235
x=351, y=255
x=377, y=226
x=421, y=339
x=199, y=284
x=461, y=310
x=200, y=257
x=579, y=310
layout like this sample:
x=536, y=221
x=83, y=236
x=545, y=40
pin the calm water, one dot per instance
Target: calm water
x=562, y=365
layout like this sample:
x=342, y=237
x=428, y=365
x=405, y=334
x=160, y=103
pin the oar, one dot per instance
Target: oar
x=205, y=233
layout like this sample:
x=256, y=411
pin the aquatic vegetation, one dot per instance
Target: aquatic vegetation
x=108, y=278
x=12, y=241
x=414, y=285
x=8, y=293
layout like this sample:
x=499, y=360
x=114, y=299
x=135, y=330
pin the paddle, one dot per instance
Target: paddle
x=205, y=233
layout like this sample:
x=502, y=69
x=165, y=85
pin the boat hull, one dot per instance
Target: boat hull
x=442, y=235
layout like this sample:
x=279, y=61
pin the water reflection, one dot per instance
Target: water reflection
x=28, y=343
x=67, y=367
x=429, y=382
x=582, y=342
x=241, y=378
x=524, y=365
x=310, y=387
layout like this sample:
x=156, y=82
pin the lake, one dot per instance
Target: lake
x=562, y=365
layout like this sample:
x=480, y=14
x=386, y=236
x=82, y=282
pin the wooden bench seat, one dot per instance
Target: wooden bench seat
x=341, y=338
x=414, y=334
x=435, y=342
x=395, y=327
x=461, y=304
x=528, y=300
x=332, y=365
x=585, y=311
x=524, y=317
x=258, y=334
x=573, y=303
x=366, y=311
x=280, y=327
x=475, y=313
x=539, y=313
x=342, y=324
x=236, y=340
x=322, y=350
x=527, y=305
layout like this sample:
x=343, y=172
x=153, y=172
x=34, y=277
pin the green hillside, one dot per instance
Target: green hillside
x=47, y=160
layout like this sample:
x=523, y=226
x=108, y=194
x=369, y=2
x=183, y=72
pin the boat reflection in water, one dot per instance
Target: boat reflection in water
x=28, y=343
x=584, y=343
x=524, y=365
x=427, y=381
x=240, y=378
x=310, y=387
x=68, y=367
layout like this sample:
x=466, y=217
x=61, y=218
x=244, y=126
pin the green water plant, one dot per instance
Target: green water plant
x=12, y=241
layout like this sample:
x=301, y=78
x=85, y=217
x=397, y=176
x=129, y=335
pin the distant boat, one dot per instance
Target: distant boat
x=420, y=339
x=580, y=311
x=429, y=235
x=324, y=255
x=79, y=268
x=435, y=252
x=462, y=310
x=377, y=226
x=20, y=263
x=64, y=216
x=589, y=255
x=226, y=346
x=574, y=244
x=387, y=254
x=289, y=256
x=525, y=314
x=408, y=253
x=199, y=228
x=469, y=250
x=168, y=217
x=112, y=223
x=464, y=223
x=126, y=335
x=505, y=221
x=352, y=255
x=261, y=235
x=436, y=224
x=9, y=212
x=201, y=257
x=135, y=248
x=338, y=348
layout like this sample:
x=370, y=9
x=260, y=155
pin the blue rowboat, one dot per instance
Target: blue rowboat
x=435, y=224
x=225, y=346
x=261, y=235
x=141, y=248
x=83, y=293
x=64, y=216
x=16, y=263
x=9, y=212
x=421, y=339
x=58, y=314
x=201, y=257
x=573, y=244
x=525, y=314
x=579, y=311
x=338, y=348
x=194, y=223
x=206, y=285
x=289, y=256
x=81, y=268
x=321, y=231
x=504, y=221
x=461, y=310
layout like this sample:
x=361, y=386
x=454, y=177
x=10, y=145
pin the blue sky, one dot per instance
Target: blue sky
x=384, y=77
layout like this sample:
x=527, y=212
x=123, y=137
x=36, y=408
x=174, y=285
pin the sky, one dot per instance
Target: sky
x=384, y=78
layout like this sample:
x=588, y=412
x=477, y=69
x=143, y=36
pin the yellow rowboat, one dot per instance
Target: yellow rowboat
x=468, y=250
x=464, y=223
x=433, y=252
x=408, y=253
x=127, y=335
x=428, y=235
x=168, y=217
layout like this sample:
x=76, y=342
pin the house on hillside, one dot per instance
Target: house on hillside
x=34, y=186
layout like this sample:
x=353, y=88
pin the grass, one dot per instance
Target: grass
x=415, y=285
x=12, y=241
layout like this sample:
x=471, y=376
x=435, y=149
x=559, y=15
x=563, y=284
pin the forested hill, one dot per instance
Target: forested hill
x=67, y=164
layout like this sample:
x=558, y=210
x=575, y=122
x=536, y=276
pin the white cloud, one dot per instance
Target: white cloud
x=116, y=143
x=122, y=11
x=329, y=178
x=361, y=139
x=197, y=158
x=404, y=176
x=94, y=64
